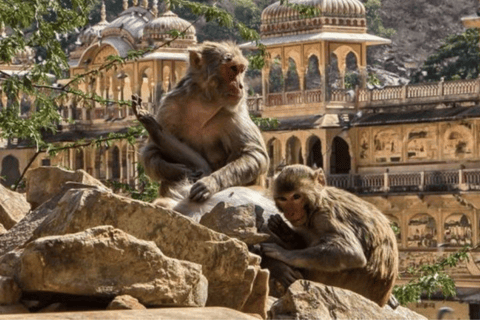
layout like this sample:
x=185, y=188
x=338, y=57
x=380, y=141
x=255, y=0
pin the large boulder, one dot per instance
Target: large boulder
x=310, y=300
x=106, y=262
x=10, y=293
x=241, y=222
x=148, y=314
x=13, y=207
x=230, y=269
x=45, y=182
x=23, y=230
x=125, y=302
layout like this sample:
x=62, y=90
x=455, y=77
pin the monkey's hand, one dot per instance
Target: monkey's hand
x=274, y=251
x=282, y=230
x=203, y=189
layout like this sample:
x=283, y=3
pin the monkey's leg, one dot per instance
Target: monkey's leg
x=169, y=146
x=285, y=233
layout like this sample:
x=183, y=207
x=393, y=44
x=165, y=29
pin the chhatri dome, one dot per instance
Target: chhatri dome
x=278, y=19
x=159, y=29
x=92, y=33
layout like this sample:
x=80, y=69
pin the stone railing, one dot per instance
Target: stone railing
x=429, y=181
x=69, y=113
x=255, y=104
x=293, y=97
x=423, y=93
x=342, y=95
x=459, y=90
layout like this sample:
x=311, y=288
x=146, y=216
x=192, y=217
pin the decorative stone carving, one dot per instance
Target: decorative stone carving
x=422, y=231
x=458, y=142
x=457, y=230
x=422, y=144
x=387, y=146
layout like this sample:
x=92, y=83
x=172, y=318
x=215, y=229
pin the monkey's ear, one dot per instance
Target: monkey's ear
x=195, y=59
x=320, y=177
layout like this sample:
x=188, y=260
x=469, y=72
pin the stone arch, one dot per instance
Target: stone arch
x=166, y=78
x=10, y=170
x=294, y=151
x=124, y=161
x=114, y=164
x=313, y=78
x=458, y=230
x=422, y=231
x=276, y=81
x=340, y=159
x=458, y=142
x=292, y=80
x=274, y=148
x=79, y=164
x=315, y=157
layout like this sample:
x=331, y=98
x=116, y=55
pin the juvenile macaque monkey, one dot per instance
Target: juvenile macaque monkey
x=203, y=133
x=337, y=238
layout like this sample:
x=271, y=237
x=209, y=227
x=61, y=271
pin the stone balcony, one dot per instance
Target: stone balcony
x=408, y=182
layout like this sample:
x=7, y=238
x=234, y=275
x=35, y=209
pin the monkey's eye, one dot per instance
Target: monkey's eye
x=234, y=69
x=296, y=196
x=282, y=199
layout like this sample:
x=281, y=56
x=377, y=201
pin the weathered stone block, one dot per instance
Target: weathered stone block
x=107, y=262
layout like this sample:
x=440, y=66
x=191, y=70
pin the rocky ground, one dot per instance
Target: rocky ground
x=72, y=246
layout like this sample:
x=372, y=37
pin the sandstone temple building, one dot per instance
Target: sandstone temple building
x=412, y=150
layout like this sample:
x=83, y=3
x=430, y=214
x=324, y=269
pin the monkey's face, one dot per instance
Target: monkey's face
x=232, y=71
x=292, y=205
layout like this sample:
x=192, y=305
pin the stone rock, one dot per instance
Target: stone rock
x=125, y=302
x=10, y=293
x=257, y=302
x=54, y=307
x=2, y=229
x=238, y=222
x=147, y=314
x=107, y=262
x=225, y=261
x=23, y=230
x=309, y=300
x=45, y=182
x=14, y=309
x=13, y=207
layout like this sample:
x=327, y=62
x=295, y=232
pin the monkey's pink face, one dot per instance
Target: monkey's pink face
x=293, y=207
x=232, y=74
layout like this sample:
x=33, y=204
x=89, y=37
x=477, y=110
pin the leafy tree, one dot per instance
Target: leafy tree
x=457, y=58
x=430, y=278
x=374, y=21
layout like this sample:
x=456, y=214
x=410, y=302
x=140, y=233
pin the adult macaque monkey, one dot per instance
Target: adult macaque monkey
x=203, y=133
x=337, y=239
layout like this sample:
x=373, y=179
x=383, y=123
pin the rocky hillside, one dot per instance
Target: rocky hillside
x=420, y=27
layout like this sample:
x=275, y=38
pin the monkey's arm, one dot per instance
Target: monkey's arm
x=280, y=228
x=335, y=253
x=252, y=162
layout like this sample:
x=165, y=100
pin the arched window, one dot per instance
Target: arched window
x=294, y=151
x=292, y=82
x=275, y=77
x=315, y=158
x=340, y=158
x=10, y=171
x=275, y=154
x=313, y=79
x=352, y=74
